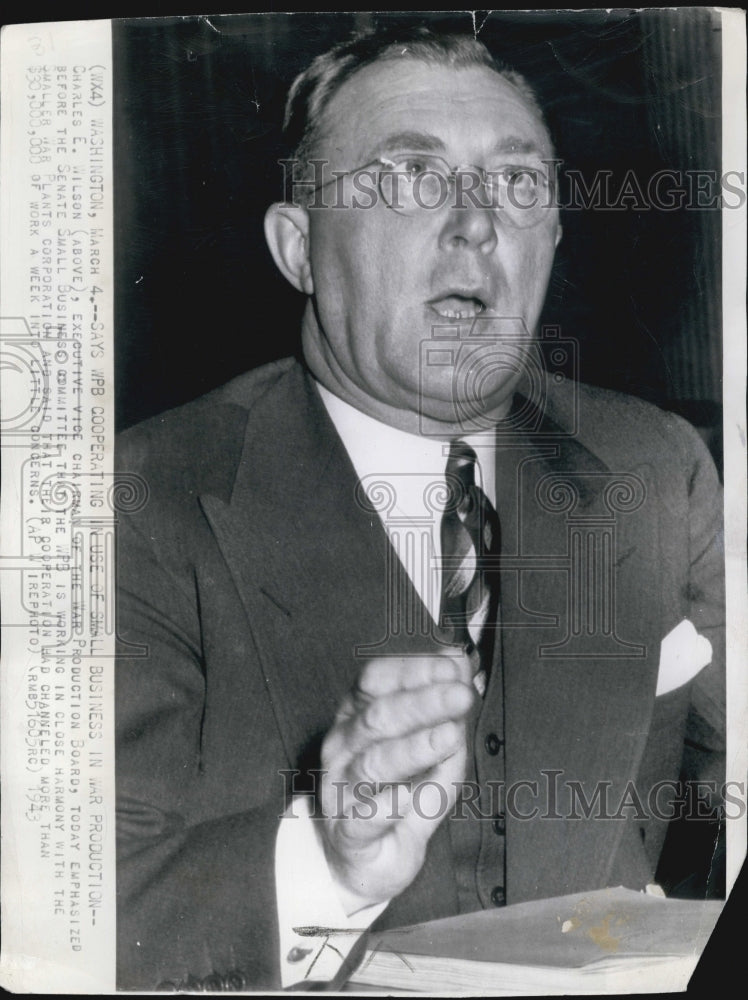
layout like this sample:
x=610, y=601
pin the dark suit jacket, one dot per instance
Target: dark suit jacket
x=250, y=578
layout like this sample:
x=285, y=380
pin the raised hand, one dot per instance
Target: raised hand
x=404, y=723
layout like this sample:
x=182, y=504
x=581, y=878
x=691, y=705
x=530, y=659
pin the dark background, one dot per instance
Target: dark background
x=197, y=135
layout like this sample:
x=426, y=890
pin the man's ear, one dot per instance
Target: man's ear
x=559, y=234
x=287, y=235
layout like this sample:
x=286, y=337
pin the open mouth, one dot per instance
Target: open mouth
x=458, y=306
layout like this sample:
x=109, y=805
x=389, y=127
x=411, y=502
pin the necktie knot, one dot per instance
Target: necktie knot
x=460, y=479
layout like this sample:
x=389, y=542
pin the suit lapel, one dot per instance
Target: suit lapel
x=579, y=645
x=311, y=563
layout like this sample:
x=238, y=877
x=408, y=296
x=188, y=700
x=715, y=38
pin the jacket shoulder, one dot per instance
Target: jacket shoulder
x=624, y=430
x=197, y=446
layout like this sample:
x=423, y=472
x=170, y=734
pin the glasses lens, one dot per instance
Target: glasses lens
x=415, y=182
x=521, y=194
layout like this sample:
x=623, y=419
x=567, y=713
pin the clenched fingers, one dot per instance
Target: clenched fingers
x=407, y=757
x=400, y=714
x=389, y=674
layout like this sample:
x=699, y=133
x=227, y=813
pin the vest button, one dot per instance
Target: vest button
x=499, y=826
x=498, y=896
x=493, y=744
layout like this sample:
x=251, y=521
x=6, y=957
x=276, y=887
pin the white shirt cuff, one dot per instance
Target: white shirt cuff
x=316, y=934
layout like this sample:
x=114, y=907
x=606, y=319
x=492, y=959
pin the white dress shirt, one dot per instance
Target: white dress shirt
x=408, y=464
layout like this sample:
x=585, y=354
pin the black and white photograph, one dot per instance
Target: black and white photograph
x=373, y=571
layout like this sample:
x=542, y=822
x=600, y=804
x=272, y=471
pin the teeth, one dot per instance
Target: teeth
x=468, y=308
x=450, y=314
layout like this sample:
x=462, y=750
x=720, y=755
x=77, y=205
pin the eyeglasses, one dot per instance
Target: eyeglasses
x=414, y=182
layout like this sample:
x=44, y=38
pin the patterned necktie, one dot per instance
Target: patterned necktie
x=470, y=535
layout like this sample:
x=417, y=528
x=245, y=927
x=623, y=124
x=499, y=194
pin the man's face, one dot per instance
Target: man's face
x=387, y=284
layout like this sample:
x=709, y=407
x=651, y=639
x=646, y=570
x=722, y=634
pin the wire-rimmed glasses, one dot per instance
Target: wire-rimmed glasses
x=411, y=183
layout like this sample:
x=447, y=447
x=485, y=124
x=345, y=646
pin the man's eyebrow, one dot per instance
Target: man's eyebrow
x=425, y=142
x=516, y=144
x=422, y=142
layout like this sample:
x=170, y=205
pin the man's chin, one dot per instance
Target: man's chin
x=463, y=415
x=479, y=403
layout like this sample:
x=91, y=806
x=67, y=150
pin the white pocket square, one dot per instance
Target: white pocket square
x=683, y=653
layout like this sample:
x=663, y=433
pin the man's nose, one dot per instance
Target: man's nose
x=469, y=226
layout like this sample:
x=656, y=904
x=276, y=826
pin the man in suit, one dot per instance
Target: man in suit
x=392, y=620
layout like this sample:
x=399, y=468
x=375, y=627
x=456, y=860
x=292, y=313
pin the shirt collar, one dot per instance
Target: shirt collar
x=378, y=449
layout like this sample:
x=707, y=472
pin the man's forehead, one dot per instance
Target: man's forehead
x=392, y=103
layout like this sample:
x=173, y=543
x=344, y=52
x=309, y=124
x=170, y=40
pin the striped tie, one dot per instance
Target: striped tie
x=470, y=585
